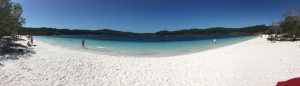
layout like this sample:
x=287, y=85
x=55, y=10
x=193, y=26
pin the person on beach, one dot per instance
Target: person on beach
x=215, y=41
x=83, y=46
x=294, y=38
x=31, y=40
x=273, y=38
x=28, y=44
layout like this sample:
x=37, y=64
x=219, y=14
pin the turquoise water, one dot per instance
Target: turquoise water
x=137, y=47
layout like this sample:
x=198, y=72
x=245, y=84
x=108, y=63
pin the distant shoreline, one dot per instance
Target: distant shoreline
x=251, y=30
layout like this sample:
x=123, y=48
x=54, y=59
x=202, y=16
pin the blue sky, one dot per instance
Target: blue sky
x=152, y=15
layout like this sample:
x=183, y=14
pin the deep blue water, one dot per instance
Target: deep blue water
x=144, y=45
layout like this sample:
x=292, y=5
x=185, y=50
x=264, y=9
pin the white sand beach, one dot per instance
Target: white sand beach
x=255, y=62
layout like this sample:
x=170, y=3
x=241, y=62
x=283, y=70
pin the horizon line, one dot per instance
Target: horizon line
x=144, y=32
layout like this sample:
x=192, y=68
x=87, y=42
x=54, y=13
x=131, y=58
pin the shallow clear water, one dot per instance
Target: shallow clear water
x=144, y=45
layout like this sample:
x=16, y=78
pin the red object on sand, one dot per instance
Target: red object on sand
x=291, y=82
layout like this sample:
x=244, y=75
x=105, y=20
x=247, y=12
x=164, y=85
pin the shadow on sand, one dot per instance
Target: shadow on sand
x=13, y=51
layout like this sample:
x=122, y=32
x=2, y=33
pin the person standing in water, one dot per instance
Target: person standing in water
x=83, y=46
x=215, y=41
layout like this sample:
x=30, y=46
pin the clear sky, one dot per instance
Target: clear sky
x=152, y=15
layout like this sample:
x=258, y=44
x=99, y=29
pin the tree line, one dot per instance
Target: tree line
x=54, y=31
x=11, y=19
x=251, y=30
x=289, y=26
x=195, y=31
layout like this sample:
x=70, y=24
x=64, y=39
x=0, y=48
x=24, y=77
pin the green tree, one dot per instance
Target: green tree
x=10, y=17
x=291, y=25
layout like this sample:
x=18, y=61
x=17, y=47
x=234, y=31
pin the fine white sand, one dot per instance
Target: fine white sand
x=255, y=62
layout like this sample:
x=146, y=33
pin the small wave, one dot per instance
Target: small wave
x=99, y=47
